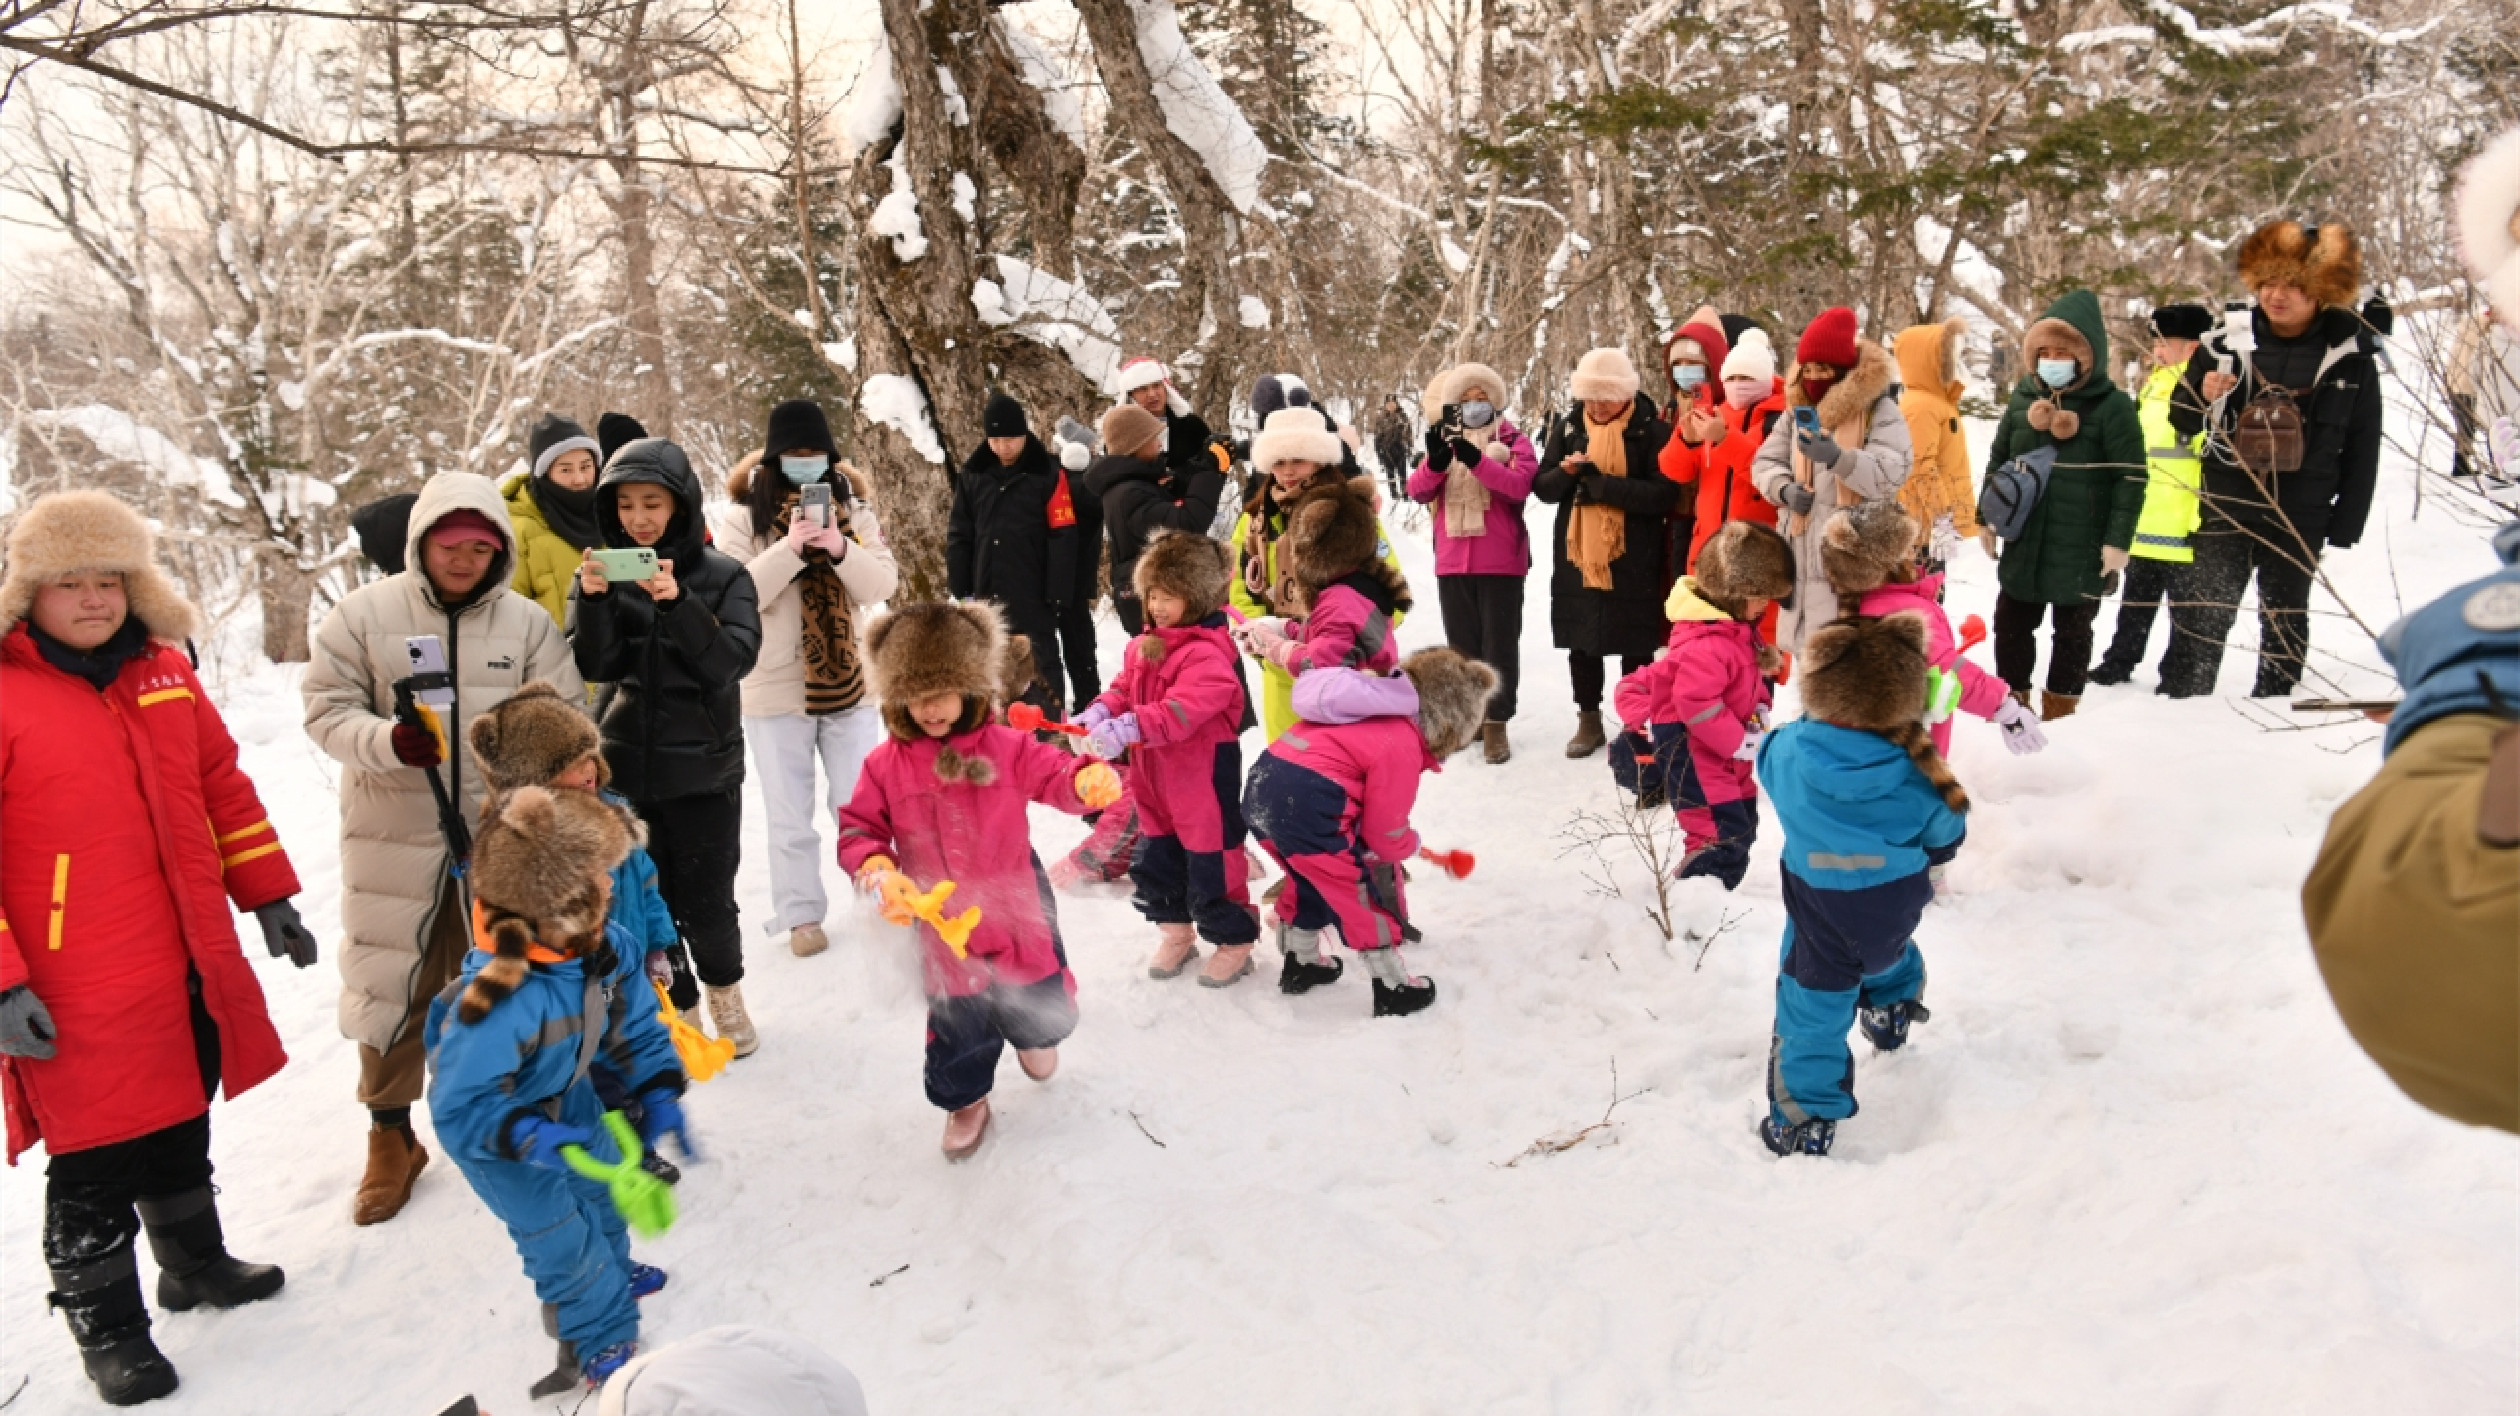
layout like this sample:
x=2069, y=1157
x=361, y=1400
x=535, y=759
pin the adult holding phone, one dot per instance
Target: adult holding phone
x=402, y=915
x=816, y=574
x=675, y=644
x=1476, y=475
x=1846, y=443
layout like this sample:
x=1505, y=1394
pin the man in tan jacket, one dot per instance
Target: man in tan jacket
x=404, y=918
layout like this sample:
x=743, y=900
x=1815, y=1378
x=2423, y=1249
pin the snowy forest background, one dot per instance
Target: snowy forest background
x=267, y=262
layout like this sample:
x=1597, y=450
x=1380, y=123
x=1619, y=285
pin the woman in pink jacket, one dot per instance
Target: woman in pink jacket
x=1477, y=475
x=1694, y=716
x=943, y=799
x=1330, y=802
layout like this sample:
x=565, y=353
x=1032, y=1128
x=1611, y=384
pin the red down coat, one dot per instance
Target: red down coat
x=125, y=831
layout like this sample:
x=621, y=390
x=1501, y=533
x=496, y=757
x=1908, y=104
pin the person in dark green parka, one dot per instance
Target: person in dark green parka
x=2077, y=538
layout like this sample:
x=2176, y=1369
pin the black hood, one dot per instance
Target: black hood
x=1034, y=458
x=657, y=463
x=1112, y=469
x=382, y=527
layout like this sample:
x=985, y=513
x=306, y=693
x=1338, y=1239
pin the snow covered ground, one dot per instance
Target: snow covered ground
x=2133, y=1164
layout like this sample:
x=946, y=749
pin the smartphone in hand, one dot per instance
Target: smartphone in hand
x=633, y=564
x=814, y=503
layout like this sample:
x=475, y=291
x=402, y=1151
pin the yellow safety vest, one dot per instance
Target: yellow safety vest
x=2172, y=511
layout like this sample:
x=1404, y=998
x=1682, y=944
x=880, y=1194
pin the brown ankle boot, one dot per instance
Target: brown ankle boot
x=1588, y=739
x=1492, y=736
x=2053, y=706
x=395, y=1160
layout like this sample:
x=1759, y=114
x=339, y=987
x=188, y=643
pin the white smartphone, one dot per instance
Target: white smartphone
x=2239, y=335
x=815, y=502
x=431, y=683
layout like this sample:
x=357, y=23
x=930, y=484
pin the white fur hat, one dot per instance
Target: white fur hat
x=65, y=532
x=1604, y=375
x=1752, y=356
x=1296, y=435
x=2488, y=222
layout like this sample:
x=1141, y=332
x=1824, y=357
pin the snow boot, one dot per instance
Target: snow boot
x=2053, y=705
x=395, y=1160
x=1588, y=739
x=966, y=1129
x=1492, y=741
x=646, y=1279
x=660, y=1167
x=110, y=1322
x=566, y=1375
x=194, y=1266
x=807, y=940
x=1887, y=1028
x=601, y=1367
x=1177, y=950
x=1226, y=966
x=1039, y=1063
x=2110, y=673
x=1304, y=969
x=1812, y=1137
x=727, y=1015
x=1396, y=993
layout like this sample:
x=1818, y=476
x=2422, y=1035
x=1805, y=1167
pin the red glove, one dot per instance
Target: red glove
x=415, y=746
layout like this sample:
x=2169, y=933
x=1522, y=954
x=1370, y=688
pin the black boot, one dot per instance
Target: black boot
x=566, y=1376
x=2109, y=673
x=1400, y=1001
x=110, y=1322
x=194, y=1267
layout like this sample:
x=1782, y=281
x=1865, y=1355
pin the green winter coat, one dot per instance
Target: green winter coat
x=546, y=564
x=2096, y=493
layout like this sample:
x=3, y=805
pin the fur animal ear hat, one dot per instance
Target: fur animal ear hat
x=1194, y=568
x=921, y=650
x=2323, y=262
x=65, y=532
x=541, y=868
x=533, y=737
x=1746, y=561
x=1453, y=692
x=2487, y=220
x=1861, y=545
x=1866, y=674
x=1331, y=534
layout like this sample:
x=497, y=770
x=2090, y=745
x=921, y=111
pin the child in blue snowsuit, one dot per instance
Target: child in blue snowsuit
x=1868, y=807
x=546, y=1001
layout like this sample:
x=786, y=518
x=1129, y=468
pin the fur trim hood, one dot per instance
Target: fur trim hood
x=531, y=737
x=2323, y=262
x=539, y=875
x=1300, y=434
x=1855, y=392
x=1331, y=534
x=1929, y=357
x=1604, y=375
x=2487, y=221
x=1196, y=568
x=1453, y=692
x=739, y=478
x=1746, y=560
x=2073, y=323
x=1865, y=674
x=1448, y=386
x=1861, y=545
x=87, y=530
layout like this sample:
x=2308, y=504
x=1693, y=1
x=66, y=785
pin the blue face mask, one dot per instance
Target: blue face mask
x=802, y=470
x=2056, y=373
x=1477, y=413
x=1689, y=376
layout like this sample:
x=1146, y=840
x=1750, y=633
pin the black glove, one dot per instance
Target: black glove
x=1795, y=497
x=1465, y=454
x=1588, y=485
x=26, y=1030
x=285, y=934
x=1438, y=452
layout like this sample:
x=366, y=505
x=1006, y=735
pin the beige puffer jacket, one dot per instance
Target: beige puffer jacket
x=776, y=686
x=393, y=856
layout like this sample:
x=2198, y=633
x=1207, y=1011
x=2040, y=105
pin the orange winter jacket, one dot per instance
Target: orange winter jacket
x=1929, y=367
x=1720, y=470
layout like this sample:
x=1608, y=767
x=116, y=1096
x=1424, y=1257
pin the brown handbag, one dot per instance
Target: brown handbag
x=2267, y=439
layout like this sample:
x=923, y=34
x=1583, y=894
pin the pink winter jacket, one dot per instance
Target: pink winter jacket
x=1377, y=762
x=1343, y=630
x=1505, y=547
x=1708, y=683
x=1981, y=693
x=1187, y=697
x=937, y=826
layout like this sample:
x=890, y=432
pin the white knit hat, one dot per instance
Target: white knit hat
x=1752, y=356
x=1603, y=376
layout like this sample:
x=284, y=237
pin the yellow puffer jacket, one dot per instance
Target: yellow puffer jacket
x=545, y=561
x=1929, y=370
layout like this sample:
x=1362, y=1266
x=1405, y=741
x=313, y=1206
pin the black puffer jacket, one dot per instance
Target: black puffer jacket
x=1625, y=620
x=676, y=723
x=1140, y=498
x=2329, y=497
x=999, y=543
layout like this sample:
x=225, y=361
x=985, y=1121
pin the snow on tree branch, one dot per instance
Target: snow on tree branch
x=1196, y=108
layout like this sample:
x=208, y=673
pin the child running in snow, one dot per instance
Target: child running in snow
x=943, y=799
x=1694, y=716
x=1331, y=799
x=1868, y=806
x=511, y=1065
x=1176, y=709
x=1348, y=592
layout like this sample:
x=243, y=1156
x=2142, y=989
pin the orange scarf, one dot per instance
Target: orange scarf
x=1597, y=536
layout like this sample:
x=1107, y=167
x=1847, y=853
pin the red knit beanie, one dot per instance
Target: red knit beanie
x=1830, y=339
x=464, y=524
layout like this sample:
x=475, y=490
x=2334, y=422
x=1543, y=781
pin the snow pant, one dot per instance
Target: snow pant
x=1330, y=879
x=2148, y=584
x=1844, y=949
x=2227, y=558
x=1063, y=649
x=1483, y=619
x=1189, y=868
x=1589, y=674
x=395, y=1078
x=697, y=842
x=575, y=1247
x=785, y=748
x=2017, y=645
x=1112, y=848
x=1716, y=835
x=966, y=1036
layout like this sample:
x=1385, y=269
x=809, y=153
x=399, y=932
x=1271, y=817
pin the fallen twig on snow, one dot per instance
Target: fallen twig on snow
x=880, y=1279
x=1159, y=1145
x=1569, y=1140
x=1722, y=927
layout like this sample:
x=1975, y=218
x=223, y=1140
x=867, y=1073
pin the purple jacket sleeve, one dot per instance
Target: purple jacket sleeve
x=1205, y=689
x=1350, y=696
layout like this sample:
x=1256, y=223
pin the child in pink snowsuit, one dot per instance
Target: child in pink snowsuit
x=1868, y=554
x=1351, y=594
x=1176, y=709
x=1694, y=717
x=943, y=799
x=1330, y=802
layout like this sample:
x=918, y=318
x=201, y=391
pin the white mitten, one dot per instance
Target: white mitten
x=2022, y=734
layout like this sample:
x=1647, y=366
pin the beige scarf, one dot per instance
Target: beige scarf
x=1465, y=502
x=1850, y=435
x=1597, y=536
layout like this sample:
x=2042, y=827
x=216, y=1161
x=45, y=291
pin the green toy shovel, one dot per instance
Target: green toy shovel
x=646, y=1203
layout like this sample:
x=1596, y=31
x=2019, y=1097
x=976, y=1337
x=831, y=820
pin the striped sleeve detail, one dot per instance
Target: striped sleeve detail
x=257, y=853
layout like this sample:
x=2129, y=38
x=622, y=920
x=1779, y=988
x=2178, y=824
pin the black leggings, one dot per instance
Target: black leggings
x=1589, y=672
x=2017, y=645
x=1483, y=619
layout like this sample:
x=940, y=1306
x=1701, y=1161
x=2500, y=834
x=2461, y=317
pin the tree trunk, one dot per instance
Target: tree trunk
x=287, y=592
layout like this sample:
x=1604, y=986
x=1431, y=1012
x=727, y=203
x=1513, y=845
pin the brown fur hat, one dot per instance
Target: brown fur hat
x=924, y=649
x=1864, y=673
x=1331, y=534
x=533, y=737
x=1861, y=546
x=1194, y=567
x=541, y=868
x=2323, y=262
x=1453, y=692
x=1745, y=561
x=65, y=532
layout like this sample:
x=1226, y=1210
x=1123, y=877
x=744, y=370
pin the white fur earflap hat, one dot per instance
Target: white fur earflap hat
x=2488, y=223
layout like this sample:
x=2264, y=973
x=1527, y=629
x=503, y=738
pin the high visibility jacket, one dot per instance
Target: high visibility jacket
x=2171, y=508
